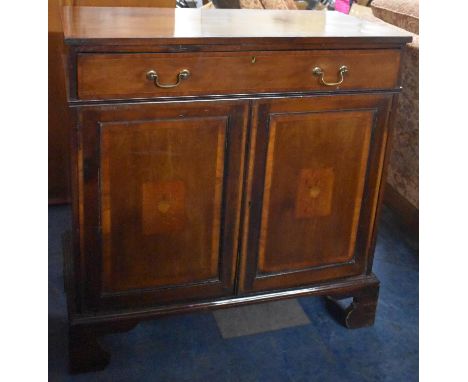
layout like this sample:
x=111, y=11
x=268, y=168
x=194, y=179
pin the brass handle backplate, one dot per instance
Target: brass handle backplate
x=153, y=76
x=318, y=71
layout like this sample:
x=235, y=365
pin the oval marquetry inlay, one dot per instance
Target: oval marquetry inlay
x=314, y=191
x=163, y=206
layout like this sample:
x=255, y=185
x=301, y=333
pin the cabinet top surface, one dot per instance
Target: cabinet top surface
x=129, y=26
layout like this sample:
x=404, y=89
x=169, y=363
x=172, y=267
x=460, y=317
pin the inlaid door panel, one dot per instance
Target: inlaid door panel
x=169, y=180
x=314, y=174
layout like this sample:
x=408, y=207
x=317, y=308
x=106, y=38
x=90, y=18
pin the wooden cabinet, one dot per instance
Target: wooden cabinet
x=161, y=193
x=313, y=186
x=214, y=165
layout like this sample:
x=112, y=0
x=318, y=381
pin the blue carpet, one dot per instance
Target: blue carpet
x=191, y=348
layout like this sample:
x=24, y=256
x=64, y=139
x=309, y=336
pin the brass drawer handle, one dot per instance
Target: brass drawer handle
x=317, y=71
x=153, y=76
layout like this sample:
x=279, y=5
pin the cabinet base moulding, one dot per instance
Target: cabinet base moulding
x=84, y=331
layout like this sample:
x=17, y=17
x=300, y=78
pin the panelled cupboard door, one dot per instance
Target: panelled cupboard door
x=314, y=175
x=166, y=222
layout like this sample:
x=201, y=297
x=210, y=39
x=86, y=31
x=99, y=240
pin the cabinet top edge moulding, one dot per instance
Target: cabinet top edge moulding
x=248, y=29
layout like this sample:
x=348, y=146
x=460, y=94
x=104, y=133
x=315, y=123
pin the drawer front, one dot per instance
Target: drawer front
x=120, y=76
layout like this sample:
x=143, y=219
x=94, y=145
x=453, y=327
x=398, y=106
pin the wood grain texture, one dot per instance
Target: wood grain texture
x=248, y=182
x=155, y=182
x=314, y=196
x=291, y=239
x=161, y=201
x=111, y=26
x=60, y=122
x=107, y=76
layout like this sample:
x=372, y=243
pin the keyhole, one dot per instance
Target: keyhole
x=254, y=60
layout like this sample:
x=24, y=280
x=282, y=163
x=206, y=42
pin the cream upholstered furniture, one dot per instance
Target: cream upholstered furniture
x=268, y=4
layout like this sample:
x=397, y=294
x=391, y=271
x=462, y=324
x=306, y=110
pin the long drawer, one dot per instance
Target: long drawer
x=148, y=75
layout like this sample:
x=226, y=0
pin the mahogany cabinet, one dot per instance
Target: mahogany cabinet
x=215, y=163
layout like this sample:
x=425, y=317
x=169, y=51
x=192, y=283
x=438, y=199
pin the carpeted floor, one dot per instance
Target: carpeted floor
x=293, y=340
